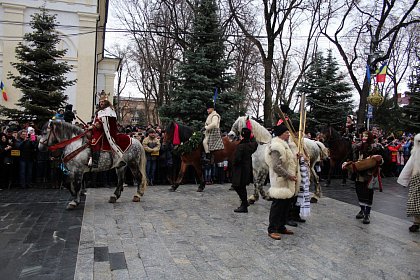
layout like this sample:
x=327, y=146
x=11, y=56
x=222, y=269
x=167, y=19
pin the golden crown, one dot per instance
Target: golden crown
x=103, y=96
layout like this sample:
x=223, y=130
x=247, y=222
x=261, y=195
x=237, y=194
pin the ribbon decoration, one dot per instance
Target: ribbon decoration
x=249, y=126
x=66, y=142
x=176, y=140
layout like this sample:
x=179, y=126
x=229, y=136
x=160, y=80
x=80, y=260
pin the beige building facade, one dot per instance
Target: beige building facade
x=137, y=111
x=81, y=25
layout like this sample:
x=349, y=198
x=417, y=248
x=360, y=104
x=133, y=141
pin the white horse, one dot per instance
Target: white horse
x=316, y=151
x=57, y=132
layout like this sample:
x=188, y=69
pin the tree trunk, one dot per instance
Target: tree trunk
x=268, y=104
x=361, y=114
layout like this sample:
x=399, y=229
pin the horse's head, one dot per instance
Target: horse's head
x=169, y=133
x=260, y=133
x=235, y=130
x=54, y=132
x=48, y=136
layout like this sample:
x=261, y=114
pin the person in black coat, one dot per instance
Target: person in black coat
x=242, y=168
x=68, y=114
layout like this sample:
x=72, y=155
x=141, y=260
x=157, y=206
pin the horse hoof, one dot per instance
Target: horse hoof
x=314, y=200
x=136, y=199
x=112, y=199
x=200, y=189
x=172, y=189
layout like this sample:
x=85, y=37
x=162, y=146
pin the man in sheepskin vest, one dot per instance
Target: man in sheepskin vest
x=212, y=136
x=284, y=178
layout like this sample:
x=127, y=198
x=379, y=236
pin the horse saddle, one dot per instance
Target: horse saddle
x=123, y=141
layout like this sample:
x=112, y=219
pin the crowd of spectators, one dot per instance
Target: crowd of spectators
x=22, y=165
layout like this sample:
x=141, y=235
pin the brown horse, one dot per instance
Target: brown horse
x=340, y=150
x=194, y=158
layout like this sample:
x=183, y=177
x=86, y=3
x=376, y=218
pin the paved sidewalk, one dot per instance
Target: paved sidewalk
x=190, y=235
x=39, y=238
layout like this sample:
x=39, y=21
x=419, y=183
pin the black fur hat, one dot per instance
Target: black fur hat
x=285, y=109
x=210, y=104
x=279, y=129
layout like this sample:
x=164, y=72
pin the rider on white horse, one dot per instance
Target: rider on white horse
x=104, y=132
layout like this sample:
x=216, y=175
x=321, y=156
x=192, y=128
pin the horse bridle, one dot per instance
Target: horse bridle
x=51, y=130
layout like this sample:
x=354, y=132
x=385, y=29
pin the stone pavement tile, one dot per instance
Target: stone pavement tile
x=121, y=274
x=189, y=235
x=102, y=270
x=35, y=230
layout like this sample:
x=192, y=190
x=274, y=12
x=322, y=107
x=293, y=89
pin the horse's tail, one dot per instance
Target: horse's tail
x=142, y=166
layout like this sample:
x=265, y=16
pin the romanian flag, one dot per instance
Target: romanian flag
x=3, y=91
x=381, y=74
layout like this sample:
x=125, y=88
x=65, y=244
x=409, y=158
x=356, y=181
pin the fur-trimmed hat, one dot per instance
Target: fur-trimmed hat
x=279, y=129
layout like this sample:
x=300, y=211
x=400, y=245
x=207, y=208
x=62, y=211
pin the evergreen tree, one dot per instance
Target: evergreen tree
x=40, y=75
x=203, y=70
x=411, y=111
x=328, y=95
x=385, y=120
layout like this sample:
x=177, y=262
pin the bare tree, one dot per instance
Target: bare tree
x=275, y=14
x=401, y=59
x=120, y=52
x=357, y=27
x=281, y=19
x=153, y=56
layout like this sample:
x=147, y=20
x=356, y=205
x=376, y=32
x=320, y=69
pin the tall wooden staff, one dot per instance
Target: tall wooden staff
x=302, y=122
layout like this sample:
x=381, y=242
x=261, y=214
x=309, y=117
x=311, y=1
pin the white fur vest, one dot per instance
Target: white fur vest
x=281, y=187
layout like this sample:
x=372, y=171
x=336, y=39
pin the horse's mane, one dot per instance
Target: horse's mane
x=184, y=131
x=69, y=130
x=260, y=132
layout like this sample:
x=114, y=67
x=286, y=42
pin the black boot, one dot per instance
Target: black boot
x=241, y=191
x=361, y=214
x=242, y=209
x=366, y=219
x=95, y=158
